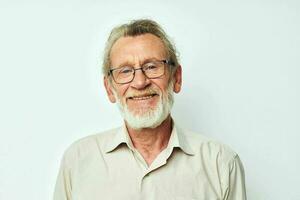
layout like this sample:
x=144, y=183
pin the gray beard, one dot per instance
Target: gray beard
x=150, y=118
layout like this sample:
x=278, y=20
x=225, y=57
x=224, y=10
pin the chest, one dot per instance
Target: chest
x=123, y=177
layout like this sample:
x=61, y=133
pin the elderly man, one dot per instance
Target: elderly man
x=149, y=157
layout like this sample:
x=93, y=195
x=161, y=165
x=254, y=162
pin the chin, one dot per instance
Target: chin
x=146, y=117
x=142, y=112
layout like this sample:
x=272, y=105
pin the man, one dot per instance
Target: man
x=149, y=157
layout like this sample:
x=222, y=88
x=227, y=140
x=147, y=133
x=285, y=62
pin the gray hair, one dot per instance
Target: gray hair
x=136, y=28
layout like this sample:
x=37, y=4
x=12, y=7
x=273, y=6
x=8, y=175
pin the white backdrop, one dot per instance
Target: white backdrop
x=240, y=84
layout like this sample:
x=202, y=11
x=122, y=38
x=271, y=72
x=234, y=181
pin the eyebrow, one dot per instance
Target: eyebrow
x=126, y=63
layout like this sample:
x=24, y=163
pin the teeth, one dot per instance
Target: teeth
x=142, y=98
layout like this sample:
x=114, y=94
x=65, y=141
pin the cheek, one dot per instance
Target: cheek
x=121, y=91
x=161, y=85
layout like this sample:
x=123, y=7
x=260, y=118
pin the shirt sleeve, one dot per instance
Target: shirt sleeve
x=236, y=189
x=63, y=185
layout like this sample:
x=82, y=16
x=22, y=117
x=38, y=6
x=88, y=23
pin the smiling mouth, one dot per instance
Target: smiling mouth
x=142, y=97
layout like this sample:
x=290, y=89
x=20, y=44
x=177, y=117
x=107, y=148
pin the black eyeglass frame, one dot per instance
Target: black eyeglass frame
x=166, y=62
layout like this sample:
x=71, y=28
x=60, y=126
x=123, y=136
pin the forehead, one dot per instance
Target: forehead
x=135, y=49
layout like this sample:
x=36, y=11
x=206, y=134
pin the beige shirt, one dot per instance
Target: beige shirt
x=106, y=166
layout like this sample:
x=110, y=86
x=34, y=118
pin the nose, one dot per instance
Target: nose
x=140, y=81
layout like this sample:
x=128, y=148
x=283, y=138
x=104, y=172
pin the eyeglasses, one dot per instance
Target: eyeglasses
x=151, y=70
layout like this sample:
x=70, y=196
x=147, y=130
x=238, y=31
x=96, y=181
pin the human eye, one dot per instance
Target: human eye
x=125, y=70
x=150, y=66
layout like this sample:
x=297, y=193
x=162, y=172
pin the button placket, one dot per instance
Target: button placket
x=144, y=177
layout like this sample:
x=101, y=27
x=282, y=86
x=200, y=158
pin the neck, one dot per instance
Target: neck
x=151, y=141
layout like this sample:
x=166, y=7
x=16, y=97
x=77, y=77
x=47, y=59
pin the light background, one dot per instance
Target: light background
x=240, y=84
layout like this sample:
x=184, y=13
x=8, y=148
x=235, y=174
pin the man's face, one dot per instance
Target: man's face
x=142, y=99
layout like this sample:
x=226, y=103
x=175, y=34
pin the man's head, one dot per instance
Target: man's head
x=141, y=71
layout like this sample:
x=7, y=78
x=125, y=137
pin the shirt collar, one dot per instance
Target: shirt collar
x=120, y=137
x=177, y=139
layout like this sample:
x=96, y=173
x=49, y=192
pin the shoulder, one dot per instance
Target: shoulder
x=88, y=145
x=208, y=148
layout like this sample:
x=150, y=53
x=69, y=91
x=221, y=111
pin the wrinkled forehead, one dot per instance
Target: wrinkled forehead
x=137, y=49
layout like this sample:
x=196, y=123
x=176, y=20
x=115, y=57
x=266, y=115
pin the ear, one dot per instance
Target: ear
x=178, y=79
x=108, y=88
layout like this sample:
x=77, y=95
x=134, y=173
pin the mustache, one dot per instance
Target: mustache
x=145, y=92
